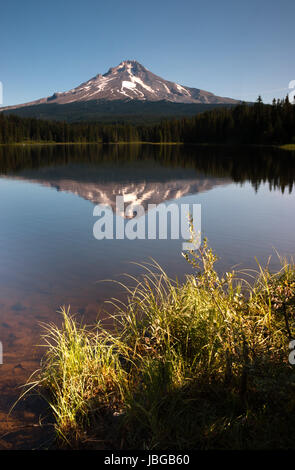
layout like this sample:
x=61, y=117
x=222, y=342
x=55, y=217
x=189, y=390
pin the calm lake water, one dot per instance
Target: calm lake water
x=49, y=256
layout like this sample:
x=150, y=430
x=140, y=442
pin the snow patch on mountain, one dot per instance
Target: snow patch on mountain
x=130, y=85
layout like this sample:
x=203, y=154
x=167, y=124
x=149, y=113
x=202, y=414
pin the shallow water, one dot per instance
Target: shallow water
x=49, y=256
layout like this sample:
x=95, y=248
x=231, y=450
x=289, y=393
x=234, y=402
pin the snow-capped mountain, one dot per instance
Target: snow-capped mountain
x=130, y=81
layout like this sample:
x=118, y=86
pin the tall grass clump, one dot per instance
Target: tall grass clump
x=198, y=365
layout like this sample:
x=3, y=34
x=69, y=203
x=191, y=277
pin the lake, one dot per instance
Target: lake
x=49, y=256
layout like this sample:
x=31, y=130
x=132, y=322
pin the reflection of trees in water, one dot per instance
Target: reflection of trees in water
x=256, y=165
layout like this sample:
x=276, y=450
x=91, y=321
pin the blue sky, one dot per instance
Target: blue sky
x=231, y=47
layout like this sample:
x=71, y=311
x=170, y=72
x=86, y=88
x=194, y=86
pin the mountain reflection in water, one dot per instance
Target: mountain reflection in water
x=145, y=174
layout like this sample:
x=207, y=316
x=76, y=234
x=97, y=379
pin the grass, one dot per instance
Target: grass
x=198, y=365
x=288, y=147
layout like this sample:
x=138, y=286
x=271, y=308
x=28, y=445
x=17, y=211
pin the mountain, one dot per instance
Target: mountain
x=128, y=83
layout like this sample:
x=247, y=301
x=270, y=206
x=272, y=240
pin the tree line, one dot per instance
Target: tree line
x=256, y=123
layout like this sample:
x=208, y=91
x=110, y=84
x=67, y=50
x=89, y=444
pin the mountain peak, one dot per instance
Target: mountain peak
x=127, y=65
x=130, y=80
x=129, y=62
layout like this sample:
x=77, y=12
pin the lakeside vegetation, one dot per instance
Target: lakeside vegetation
x=243, y=124
x=198, y=365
